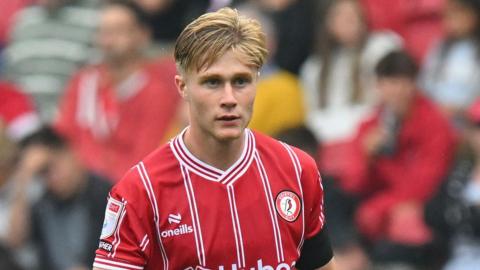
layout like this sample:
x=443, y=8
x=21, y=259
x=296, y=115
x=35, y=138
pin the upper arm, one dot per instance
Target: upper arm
x=127, y=236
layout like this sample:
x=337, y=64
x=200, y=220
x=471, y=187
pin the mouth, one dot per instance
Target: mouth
x=228, y=119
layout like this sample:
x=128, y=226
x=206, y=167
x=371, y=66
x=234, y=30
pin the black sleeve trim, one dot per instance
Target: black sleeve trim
x=316, y=252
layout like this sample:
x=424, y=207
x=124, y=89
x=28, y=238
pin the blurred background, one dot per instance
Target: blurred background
x=383, y=94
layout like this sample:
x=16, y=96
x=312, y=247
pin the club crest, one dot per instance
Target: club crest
x=288, y=205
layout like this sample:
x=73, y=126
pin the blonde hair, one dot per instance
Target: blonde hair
x=213, y=34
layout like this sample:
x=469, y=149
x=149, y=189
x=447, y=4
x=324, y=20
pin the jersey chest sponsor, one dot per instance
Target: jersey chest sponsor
x=259, y=266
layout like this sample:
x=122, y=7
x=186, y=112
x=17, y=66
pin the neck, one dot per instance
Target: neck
x=219, y=154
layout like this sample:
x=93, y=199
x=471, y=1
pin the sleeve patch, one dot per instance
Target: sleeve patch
x=112, y=216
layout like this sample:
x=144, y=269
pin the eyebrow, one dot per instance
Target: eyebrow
x=217, y=76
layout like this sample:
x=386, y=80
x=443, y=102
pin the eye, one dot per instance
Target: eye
x=241, y=82
x=212, y=83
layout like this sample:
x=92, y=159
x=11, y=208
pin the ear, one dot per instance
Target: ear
x=181, y=86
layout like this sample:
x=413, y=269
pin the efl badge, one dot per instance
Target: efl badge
x=112, y=215
x=288, y=205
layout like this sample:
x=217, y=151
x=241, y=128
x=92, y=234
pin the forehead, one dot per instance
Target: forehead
x=229, y=64
x=116, y=14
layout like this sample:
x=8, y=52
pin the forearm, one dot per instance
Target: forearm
x=19, y=227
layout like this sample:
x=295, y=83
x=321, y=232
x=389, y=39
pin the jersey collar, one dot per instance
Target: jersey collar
x=207, y=171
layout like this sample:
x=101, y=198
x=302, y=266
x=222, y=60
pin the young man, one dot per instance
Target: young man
x=218, y=196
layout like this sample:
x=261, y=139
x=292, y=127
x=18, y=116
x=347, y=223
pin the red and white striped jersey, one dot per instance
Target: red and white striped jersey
x=173, y=211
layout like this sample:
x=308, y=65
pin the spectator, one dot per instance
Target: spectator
x=279, y=100
x=108, y=110
x=294, y=24
x=168, y=17
x=451, y=74
x=418, y=22
x=338, y=78
x=346, y=242
x=400, y=157
x=454, y=212
x=17, y=113
x=48, y=42
x=65, y=223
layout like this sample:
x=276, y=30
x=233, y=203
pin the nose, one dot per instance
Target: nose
x=228, y=98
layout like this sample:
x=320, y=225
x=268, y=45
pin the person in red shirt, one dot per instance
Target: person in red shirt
x=218, y=196
x=108, y=109
x=399, y=157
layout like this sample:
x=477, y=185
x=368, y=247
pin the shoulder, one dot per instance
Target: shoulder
x=282, y=152
x=160, y=165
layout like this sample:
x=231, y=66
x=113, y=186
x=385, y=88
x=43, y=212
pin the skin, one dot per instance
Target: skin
x=459, y=20
x=220, y=102
x=345, y=23
x=396, y=93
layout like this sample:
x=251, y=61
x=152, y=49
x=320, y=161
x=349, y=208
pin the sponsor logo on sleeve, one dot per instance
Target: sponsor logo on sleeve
x=288, y=205
x=105, y=246
x=112, y=216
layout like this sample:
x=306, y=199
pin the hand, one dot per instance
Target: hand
x=374, y=140
x=33, y=159
x=407, y=224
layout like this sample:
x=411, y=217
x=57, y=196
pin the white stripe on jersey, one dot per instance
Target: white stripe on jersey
x=183, y=159
x=230, y=178
x=146, y=244
x=197, y=230
x=117, y=233
x=241, y=162
x=322, y=215
x=153, y=201
x=109, y=264
x=143, y=240
x=237, y=230
x=271, y=208
x=298, y=172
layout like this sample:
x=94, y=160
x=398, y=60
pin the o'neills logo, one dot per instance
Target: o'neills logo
x=288, y=205
x=183, y=229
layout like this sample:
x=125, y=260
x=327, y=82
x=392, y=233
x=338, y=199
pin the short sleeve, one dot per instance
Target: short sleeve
x=127, y=234
x=313, y=197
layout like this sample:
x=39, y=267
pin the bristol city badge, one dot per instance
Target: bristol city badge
x=288, y=205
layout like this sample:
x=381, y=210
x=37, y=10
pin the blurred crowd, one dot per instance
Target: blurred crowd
x=383, y=94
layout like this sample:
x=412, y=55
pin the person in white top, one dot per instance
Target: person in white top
x=338, y=78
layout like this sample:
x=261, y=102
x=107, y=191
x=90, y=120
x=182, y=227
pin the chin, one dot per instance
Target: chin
x=229, y=134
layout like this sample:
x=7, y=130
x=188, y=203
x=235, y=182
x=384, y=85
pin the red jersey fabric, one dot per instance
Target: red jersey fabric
x=172, y=211
x=17, y=112
x=424, y=151
x=112, y=127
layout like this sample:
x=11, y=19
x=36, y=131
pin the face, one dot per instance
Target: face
x=119, y=35
x=64, y=174
x=459, y=20
x=220, y=97
x=345, y=22
x=396, y=93
x=153, y=6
